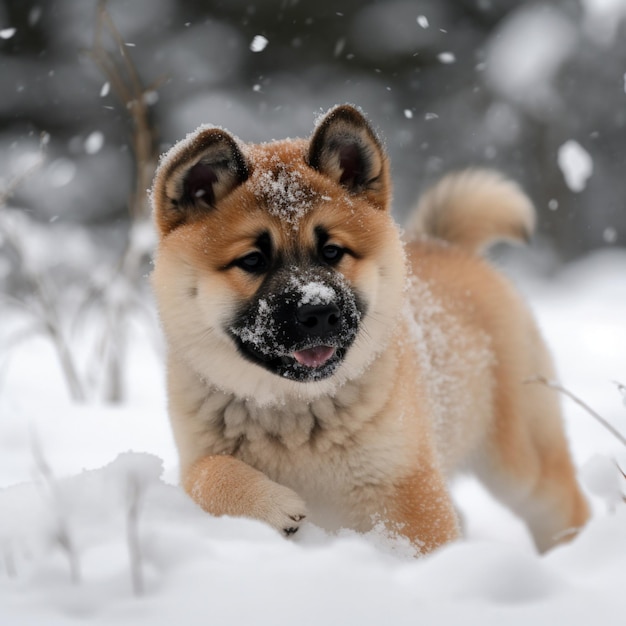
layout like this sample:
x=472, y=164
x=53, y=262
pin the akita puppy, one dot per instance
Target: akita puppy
x=319, y=367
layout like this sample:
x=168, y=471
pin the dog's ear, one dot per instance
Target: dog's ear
x=195, y=175
x=346, y=149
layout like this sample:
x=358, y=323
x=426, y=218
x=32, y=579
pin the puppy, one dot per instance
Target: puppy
x=319, y=367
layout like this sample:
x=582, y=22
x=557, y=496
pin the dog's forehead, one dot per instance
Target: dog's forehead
x=282, y=181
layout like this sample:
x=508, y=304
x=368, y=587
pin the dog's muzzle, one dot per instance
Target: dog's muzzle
x=302, y=332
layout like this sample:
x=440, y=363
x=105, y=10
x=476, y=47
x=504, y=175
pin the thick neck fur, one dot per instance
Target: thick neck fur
x=227, y=421
x=323, y=448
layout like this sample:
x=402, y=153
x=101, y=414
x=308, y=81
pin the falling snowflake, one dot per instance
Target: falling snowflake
x=609, y=235
x=576, y=165
x=94, y=142
x=446, y=57
x=258, y=43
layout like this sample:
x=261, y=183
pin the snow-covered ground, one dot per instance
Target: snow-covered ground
x=70, y=541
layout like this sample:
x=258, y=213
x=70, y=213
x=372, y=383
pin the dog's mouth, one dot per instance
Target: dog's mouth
x=307, y=364
x=317, y=356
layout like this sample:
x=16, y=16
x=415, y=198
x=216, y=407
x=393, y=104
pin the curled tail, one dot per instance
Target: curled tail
x=472, y=209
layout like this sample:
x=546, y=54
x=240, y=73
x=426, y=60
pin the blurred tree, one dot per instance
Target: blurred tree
x=450, y=83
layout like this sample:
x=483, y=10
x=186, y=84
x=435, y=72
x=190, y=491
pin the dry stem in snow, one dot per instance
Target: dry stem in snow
x=62, y=535
x=117, y=295
x=47, y=311
x=558, y=387
x=134, y=494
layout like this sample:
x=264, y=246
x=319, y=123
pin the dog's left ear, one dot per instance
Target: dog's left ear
x=345, y=148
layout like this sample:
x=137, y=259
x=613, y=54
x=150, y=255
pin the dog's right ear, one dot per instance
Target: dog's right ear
x=195, y=175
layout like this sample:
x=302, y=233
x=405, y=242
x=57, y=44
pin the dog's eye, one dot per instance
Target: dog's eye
x=332, y=254
x=255, y=263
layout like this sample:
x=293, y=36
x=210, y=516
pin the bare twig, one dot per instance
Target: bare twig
x=62, y=533
x=133, y=502
x=111, y=55
x=48, y=314
x=122, y=75
x=116, y=295
x=49, y=319
x=556, y=386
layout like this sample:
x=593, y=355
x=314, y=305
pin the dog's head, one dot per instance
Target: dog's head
x=279, y=268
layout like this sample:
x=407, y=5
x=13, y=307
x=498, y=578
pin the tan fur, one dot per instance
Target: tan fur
x=474, y=208
x=433, y=384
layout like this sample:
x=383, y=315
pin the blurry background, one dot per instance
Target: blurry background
x=535, y=89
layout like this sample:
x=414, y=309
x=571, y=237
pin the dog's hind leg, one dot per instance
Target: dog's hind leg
x=526, y=464
x=421, y=509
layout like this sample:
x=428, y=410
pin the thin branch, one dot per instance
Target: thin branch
x=111, y=54
x=52, y=321
x=62, y=535
x=133, y=502
x=40, y=287
x=556, y=386
x=124, y=79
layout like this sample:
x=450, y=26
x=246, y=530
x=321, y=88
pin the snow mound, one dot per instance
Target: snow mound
x=197, y=569
x=71, y=549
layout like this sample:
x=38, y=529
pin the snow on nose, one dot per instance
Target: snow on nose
x=315, y=292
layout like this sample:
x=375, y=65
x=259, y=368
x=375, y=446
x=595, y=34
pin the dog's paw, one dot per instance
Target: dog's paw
x=223, y=485
x=281, y=507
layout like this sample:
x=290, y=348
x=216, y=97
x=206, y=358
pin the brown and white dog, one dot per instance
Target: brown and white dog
x=319, y=367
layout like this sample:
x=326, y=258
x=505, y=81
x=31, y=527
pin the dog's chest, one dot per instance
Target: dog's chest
x=336, y=475
x=325, y=449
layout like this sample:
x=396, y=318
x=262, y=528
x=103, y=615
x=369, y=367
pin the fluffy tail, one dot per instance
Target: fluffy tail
x=472, y=209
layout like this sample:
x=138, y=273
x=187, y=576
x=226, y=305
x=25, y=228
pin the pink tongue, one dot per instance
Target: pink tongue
x=314, y=357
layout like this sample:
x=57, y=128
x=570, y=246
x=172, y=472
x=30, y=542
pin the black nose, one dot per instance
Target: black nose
x=319, y=319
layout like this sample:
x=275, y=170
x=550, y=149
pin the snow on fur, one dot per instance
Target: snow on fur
x=282, y=189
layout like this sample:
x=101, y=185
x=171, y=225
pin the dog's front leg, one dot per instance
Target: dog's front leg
x=224, y=485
